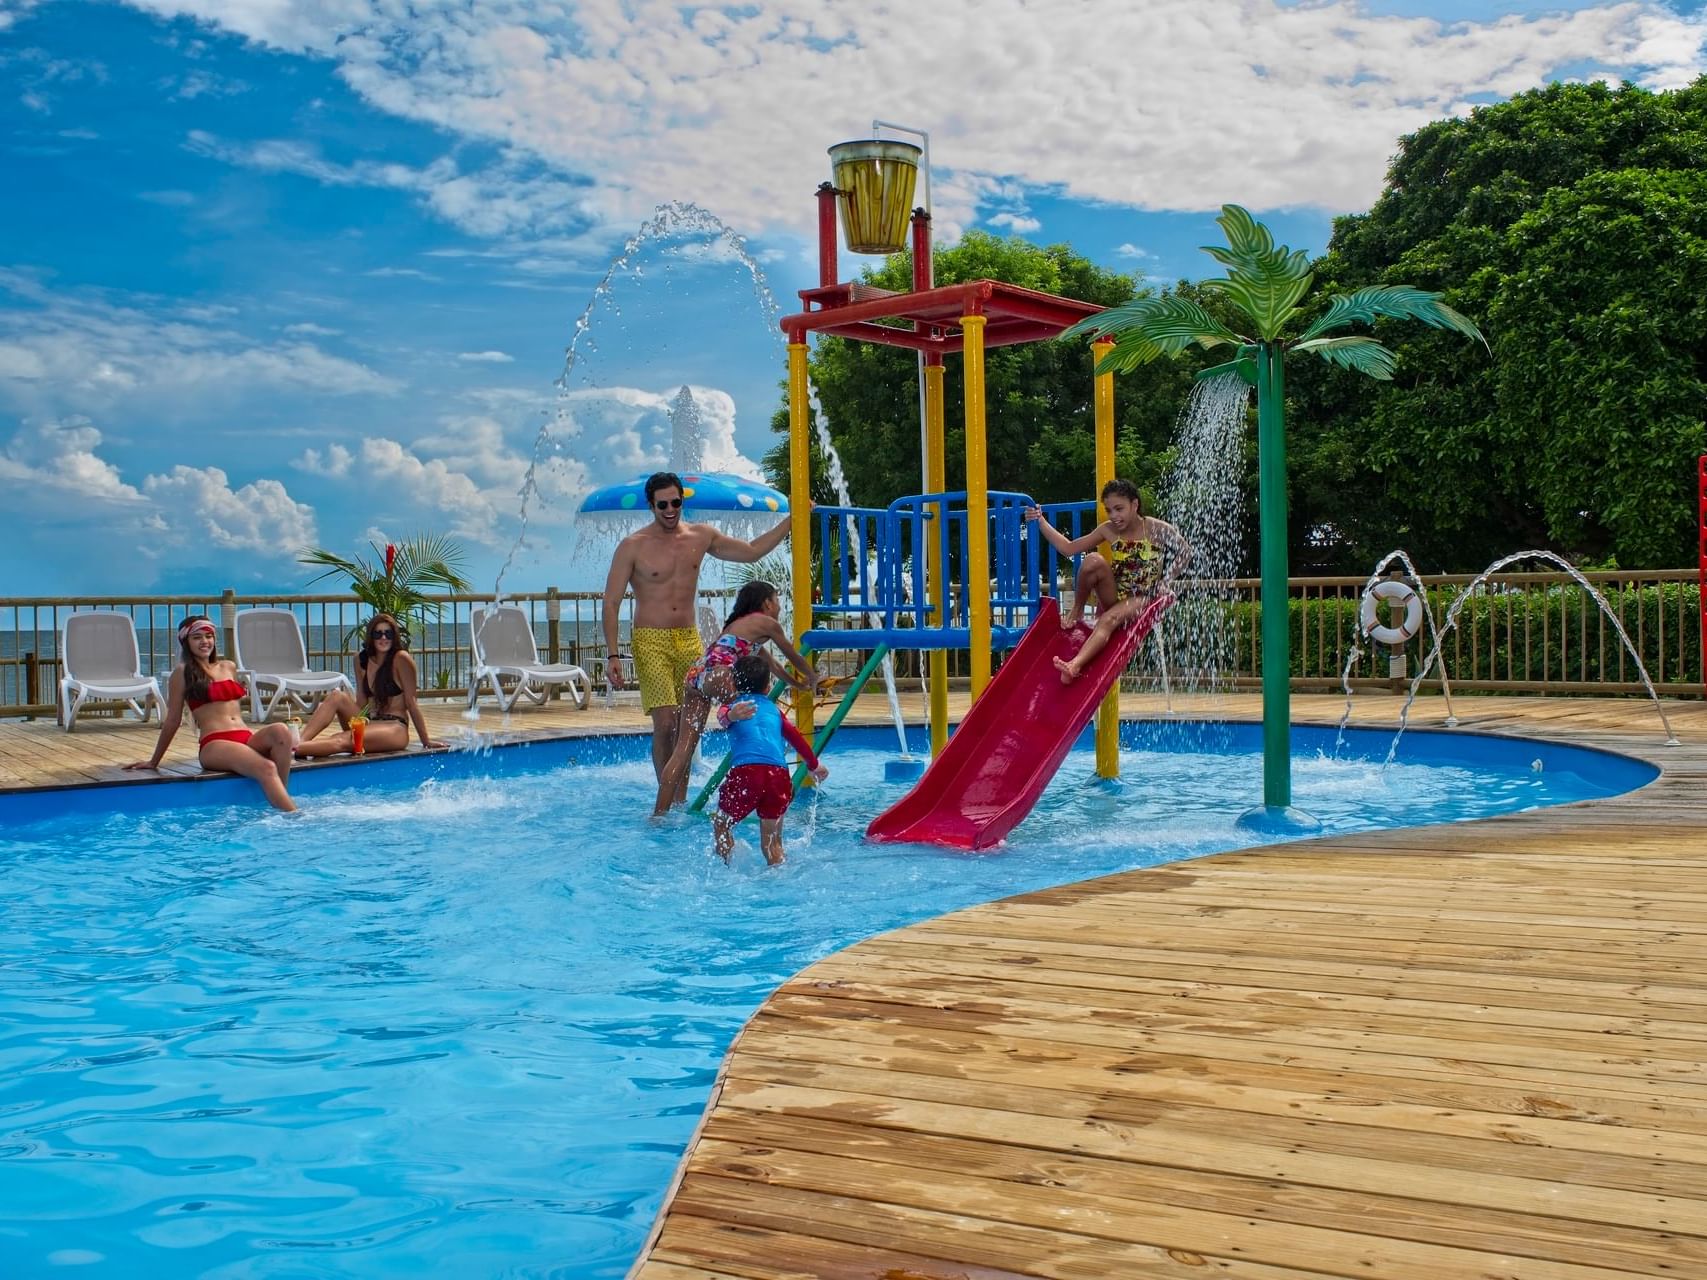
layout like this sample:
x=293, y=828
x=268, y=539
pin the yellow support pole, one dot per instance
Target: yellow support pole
x=1108, y=714
x=800, y=517
x=936, y=481
x=977, y=507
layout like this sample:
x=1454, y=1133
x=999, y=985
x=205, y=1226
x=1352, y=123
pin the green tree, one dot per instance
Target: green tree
x=1571, y=219
x=1041, y=433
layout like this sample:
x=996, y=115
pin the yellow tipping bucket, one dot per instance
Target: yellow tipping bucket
x=874, y=180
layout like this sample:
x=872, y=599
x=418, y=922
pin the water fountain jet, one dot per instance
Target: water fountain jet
x=1671, y=739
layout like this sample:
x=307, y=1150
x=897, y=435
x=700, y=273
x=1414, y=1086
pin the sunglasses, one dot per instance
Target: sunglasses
x=382, y=633
x=668, y=504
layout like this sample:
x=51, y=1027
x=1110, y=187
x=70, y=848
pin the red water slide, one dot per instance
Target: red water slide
x=1004, y=753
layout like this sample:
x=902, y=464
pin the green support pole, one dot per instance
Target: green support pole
x=841, y=711
x=1276, y=638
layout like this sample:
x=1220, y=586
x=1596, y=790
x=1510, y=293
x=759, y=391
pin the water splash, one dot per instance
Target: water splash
x=1201, y=496
x=1416, y=581
x=1458, y=604
x=676, y=218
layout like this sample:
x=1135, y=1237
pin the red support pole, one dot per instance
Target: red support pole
x=924, y=271
x=826, y=235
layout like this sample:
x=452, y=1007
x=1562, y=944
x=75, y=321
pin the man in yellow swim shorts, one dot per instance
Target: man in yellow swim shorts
x=660, y=564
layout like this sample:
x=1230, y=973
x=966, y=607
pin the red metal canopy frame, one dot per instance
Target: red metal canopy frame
x=930, y=315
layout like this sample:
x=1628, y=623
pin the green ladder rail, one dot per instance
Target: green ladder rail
x=824, y=735
x=841, y=712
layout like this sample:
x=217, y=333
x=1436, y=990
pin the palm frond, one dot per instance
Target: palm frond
x=1360, y=353
x=1171, y=322
x=1245, y=367
x=1149, y=328
x=1265, y=281
x=1398, y=301
x=1246, y=237
x=1267, y=288
x=336, y=565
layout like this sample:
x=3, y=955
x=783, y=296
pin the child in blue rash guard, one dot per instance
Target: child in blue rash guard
x=758, y=773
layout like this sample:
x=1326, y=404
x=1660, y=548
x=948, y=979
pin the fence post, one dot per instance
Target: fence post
x=32, y=679
x=1701, y=580
x=228, y=621
x=554, y=624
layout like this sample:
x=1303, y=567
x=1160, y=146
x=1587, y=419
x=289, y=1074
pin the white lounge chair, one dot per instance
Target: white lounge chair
x=504, y=649
x=271, y=656
x=99, y=659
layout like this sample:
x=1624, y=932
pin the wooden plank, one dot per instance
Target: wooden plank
x=1154, y=1223
x=1542, y=1235
x=1350, y=1158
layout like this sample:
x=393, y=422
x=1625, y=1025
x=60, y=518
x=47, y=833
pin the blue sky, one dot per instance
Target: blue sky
x=278, y=272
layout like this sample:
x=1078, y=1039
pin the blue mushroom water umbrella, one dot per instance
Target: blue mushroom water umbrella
x=704, y=492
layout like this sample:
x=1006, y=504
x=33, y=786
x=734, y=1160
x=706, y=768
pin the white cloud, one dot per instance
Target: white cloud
x=75, y=511
x=1020, y=224
x=334, y=463
x=308, y=329
x=61, y=457
x=512, y=196
x=82, y=351
x=401, y=273
x=1130, y=250
x=466, y=475
x=1268, y=104
x=12, y=10
x=261, y=517
x=487, y=357
x=205, y=84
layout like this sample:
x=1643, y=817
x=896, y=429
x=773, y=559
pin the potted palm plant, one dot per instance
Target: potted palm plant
x=397, y=580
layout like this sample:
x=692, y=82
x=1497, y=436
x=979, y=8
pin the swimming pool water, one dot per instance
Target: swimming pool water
x=460, y=1015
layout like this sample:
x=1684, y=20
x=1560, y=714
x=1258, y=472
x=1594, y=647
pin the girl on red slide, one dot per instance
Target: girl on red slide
x=207, y=684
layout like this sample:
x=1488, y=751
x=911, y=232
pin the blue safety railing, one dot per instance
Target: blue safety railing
x=873, y=573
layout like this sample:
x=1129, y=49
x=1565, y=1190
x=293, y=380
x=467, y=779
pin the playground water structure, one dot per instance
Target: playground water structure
x=403, y=1027
x=1606, y=610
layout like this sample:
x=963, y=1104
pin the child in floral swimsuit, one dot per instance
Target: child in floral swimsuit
x=1142, y=558
x=751, y=623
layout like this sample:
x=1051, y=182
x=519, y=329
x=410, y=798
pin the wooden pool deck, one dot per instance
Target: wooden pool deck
x=1465, y=1052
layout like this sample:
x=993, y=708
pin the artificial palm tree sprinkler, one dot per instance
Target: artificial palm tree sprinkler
x=1266, y=285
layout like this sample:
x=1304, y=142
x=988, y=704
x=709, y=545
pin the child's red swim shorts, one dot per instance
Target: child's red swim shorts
x=765, y=787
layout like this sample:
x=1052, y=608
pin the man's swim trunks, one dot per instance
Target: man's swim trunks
x=662, y=656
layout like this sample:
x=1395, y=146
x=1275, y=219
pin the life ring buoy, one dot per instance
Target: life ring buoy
x=1368, y=614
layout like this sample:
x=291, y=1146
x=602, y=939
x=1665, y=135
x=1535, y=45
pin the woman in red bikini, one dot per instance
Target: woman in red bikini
x=206, y=683
x=386, y=677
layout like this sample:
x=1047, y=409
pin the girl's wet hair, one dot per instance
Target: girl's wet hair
x=1124, y=489
x=752, y=673
x=751, y=599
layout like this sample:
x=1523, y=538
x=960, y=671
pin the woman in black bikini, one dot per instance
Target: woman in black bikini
x=386, y=677
x=207, y=684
